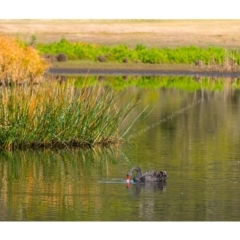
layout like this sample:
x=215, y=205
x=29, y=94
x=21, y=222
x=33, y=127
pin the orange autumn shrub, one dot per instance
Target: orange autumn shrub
x=19, y=63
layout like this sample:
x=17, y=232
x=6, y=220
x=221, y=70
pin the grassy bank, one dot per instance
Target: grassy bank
x=201, y=43
x=193, y=55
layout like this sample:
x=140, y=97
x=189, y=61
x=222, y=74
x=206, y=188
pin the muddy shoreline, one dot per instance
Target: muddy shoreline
x=141, y=72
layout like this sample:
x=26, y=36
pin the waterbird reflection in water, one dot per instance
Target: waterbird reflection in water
x=150, y=187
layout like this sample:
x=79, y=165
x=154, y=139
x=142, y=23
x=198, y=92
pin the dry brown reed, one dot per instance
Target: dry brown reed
x=229, y=64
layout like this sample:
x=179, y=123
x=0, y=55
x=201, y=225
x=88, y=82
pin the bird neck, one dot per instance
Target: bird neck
x=139, y=172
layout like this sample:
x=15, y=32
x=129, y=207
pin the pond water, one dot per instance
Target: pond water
x=193, y=135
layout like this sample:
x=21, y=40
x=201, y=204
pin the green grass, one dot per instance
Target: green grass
x=62, y=115
x=142, y=54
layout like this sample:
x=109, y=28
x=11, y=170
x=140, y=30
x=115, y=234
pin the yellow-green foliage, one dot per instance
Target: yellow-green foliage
x=18, y=62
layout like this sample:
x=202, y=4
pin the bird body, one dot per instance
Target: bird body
x=150, y=176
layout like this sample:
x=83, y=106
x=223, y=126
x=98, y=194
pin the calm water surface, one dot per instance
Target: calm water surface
x=194, y=136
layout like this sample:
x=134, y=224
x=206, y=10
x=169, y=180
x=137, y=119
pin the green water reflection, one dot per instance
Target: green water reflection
x=193, y=135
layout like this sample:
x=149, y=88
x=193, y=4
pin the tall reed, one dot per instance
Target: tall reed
x=57, y=115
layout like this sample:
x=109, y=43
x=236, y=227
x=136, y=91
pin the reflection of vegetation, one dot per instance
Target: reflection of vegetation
x=53, y=114
x=182, y=82
x=201, y=119
x=35, y=185
x=59, y=165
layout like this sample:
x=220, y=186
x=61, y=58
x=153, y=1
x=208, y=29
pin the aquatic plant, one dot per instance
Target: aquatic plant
x=19, y=63
x=51, y=114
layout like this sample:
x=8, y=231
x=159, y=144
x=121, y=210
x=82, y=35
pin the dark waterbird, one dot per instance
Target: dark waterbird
x=150, y=176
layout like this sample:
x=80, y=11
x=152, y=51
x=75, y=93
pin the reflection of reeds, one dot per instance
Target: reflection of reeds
x=19, y=63
x=53, y=114
x=54, y=176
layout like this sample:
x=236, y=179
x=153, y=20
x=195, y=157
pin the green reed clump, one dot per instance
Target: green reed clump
x=57, y=115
